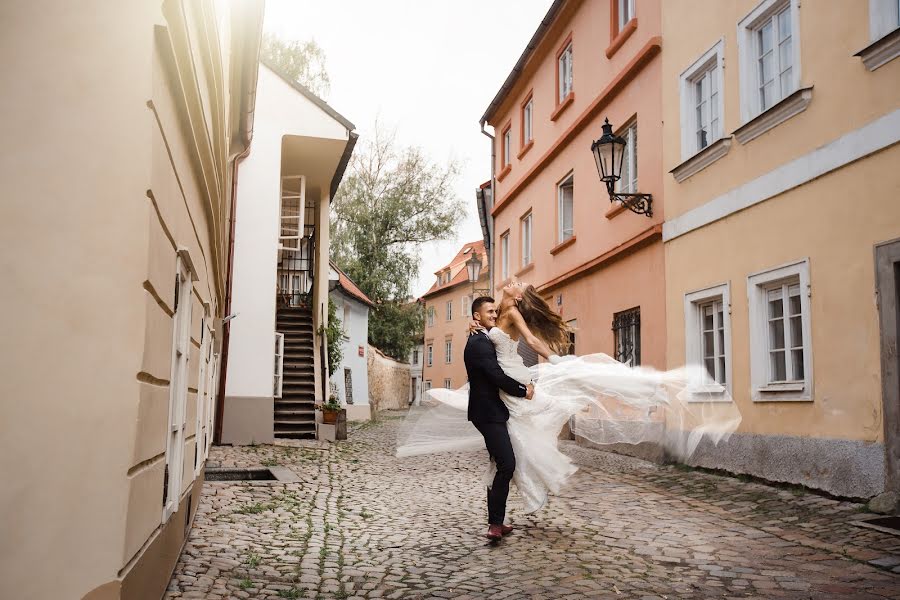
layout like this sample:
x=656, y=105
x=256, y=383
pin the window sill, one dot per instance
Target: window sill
x=782, y=392
x=708, y=393
x=525, y=269
x=702, y=159
x=566, y=103
x=562, y=245
x=880, y=52
x=615, y=208
x=793, y=105
x=621, y=38
x=525, y=149
x=504, y=172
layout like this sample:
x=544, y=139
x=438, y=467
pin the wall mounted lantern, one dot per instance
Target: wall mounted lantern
x=609, y=152
x=473, y=266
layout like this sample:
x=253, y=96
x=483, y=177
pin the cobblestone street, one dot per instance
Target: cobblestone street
x=360, y=523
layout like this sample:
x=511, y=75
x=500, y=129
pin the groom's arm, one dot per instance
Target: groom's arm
x=486, y=359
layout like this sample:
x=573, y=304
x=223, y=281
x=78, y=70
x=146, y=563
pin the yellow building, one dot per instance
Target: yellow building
x=781, y=126
x=448, y=311
x=123, y=125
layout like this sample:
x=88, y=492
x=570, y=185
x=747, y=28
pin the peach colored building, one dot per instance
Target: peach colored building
x=553, y=225
x=782, y=225
x=447, y=314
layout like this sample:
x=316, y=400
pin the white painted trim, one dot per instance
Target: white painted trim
x=760, y=388
x=185, y=255
x=780, y=112
x=692, y=347
x=882, y=51
x=712, y=58
x=702, y=159
x=868, y=139
x=747, y=57
x=883, y=18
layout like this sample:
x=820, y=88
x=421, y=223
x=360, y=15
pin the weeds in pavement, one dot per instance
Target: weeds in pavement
x=254, y=509
x=245, y=584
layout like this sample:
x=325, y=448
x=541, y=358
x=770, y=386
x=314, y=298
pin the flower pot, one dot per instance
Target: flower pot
x=329, y=416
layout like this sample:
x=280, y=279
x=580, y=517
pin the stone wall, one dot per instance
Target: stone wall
x=388, y=381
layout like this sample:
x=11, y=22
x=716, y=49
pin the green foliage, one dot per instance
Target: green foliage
x=304, y=62
x=393, y=200
x=334, y=335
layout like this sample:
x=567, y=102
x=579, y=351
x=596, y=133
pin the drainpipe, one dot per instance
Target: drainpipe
x=487, y=216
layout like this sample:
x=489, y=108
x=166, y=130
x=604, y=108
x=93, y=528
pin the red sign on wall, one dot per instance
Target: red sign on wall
x=362, y=350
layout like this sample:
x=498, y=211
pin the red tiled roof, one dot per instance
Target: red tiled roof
x=463, y=275
x=345, y=283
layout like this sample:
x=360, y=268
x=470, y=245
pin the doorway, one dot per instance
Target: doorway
x=887, y=282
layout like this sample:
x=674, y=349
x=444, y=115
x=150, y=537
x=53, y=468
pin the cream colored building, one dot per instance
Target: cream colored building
x=784, y=192
x=121, y=132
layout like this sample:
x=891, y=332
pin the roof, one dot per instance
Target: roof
x=308, y=93
x=347, y=285
x=513, y=76
x=463, y=275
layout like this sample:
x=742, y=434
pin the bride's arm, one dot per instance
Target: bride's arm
x=536, y=343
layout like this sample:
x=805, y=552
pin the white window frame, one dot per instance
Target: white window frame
x=178, y=383
x=561, y=230
x=203, y=390
x=748, y=54
x=526, y=224
x=448, y=351
x=430, y=312
x=345, y=321
x=565, y=69
x=709, y=64
x=415, y=356
x=449, y=310
x=212, y=384
x=884, y=18
x=504, y=256
x=427, y=384
x=447, y=383
x=758, y=285
x=528, y=122
x=507, y=146
x=429, y=354
x=707, y=390
x=466, y=304
x=279, y=364
x=626, y=8
x=628, y=184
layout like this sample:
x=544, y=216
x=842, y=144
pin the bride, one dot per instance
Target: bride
x=611, y=402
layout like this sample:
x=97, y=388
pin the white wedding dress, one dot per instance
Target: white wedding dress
x=603, y=400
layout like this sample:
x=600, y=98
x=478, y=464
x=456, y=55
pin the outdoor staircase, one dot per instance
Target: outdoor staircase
x=295, y=415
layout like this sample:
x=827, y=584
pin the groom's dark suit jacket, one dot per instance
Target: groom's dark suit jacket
x=485, y=377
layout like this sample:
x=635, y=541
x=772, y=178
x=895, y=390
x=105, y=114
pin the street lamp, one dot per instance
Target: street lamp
x=473, y=267
x=609, y=152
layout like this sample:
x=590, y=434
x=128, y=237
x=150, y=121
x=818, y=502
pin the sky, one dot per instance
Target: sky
x=426, y=69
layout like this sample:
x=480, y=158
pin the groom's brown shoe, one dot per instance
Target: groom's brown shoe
x=495, y=532
x=506, y=529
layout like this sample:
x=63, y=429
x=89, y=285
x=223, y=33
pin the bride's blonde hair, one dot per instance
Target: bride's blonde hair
x=543, y=321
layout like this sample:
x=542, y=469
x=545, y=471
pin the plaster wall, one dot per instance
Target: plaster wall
x=357, y=331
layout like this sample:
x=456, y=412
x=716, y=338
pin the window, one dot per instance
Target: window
x=449, y=310
x=346, y=321
x=504, y=256
x=527, y=122
x=447, y=277
x=565, y=209
x=204, y=390
x=702, y=101
x=626, y=12
x=447, y=383
x=884, y=18
x=768, y=46
x=780, y=348
x=573, y=328
x=507, y=144
x=448, y=351
x=279, y=363
x=415, y=356
x=628, y=183
x=564, y=73
x=707, y=316
x=526, y=240
x=348, y=386
x=627, y=329
x=431, y=316
x=466, y=306
x=181, y=347
x=430, y=355
x=427, y=384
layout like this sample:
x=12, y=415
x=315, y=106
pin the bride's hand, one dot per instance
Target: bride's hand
x=529, y=392
x=473, y=327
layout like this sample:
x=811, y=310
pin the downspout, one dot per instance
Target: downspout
x=487, y=215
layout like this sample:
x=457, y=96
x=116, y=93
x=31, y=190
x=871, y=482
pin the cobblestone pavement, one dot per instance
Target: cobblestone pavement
x=361, y=523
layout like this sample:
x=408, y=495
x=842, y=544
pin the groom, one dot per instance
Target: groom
x=488, y=413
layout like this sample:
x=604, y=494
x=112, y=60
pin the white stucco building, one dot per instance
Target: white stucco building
x=352, y=377
x=276, y=374
x=416, y=384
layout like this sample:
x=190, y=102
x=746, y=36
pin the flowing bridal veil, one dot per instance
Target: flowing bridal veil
x=603, y=400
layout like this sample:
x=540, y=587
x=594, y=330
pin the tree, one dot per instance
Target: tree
x=391, y=202
x=303, y=62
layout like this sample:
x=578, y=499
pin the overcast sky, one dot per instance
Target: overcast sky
x=426, y=68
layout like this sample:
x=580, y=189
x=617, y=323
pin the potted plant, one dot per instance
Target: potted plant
x=330, y=410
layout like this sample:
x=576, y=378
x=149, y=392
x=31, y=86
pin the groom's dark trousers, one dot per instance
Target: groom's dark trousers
x=489, y=415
